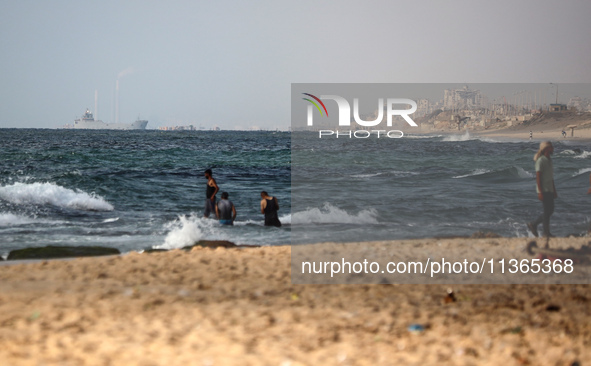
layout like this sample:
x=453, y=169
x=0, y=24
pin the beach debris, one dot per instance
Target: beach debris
x=36, y=314
x=450, y=297
x=53, y=251
x=183, y=293
x=416, y=328
x=575, y=363
x=553, y=308
x=295, y=297
x=514, y=330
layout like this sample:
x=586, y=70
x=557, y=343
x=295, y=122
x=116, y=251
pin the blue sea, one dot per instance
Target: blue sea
x=134, y=190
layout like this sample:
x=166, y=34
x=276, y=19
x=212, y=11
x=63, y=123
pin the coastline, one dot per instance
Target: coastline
x=238, y=306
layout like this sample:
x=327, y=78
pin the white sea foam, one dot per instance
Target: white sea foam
x=330, y=214
x=522, y=173
x=285, y=220
x=473, y=173
x=8, y=219
x=365, y=175
x=184, y=231
x=584, y=155
x=582, y=171
x=421, y=136
x=454, y=138
x=467, y=137
x=403, y=173
x=52, y=194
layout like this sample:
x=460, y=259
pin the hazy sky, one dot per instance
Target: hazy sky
x=231, y=63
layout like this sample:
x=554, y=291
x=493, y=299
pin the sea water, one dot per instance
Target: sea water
x=141, y=189
x=137, y=189
x=347, y=189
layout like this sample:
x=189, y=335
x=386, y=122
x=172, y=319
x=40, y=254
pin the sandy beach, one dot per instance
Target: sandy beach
x=548, y=128
x=239, y=307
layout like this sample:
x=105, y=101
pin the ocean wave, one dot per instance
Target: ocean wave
x=455, y=138
x=579, y=154
x=567, y=152
x=285, y=220
x=53, y=194
x=186, y=230
x=582, y=171
x=468, y=137
x=522, y=173
x=473, y=173
x=8, y=219
x=330, y=214
x=421, y=136
x=584, y=155
x=365, y=175
x=512, y=172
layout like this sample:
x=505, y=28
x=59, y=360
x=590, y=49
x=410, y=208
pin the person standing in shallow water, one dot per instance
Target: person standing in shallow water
x=269, y=207
x=225, y=210
x=210, y=192
x=544, y=187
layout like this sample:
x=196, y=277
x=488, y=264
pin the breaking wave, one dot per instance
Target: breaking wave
x=330, y=214
x=512, y=172
x=53, y=194
x=8, y=219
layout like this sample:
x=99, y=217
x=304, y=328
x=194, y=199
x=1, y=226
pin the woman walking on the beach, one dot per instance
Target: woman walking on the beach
x=544, y=187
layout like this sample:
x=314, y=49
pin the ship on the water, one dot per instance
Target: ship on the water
x=88, y=122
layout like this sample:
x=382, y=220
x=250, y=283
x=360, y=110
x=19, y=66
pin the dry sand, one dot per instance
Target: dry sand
x=549, y=127
x=239, y=307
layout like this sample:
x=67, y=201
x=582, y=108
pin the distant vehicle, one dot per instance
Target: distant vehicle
x=88, y=122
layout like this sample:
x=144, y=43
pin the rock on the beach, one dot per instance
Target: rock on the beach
x=212, y=244
x=52, y=251
x=155, y=250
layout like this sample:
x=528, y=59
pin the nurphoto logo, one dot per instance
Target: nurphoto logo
x=344, y=115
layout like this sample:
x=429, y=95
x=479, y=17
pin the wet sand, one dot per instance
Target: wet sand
x=239, y=307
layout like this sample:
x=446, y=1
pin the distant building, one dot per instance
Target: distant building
x=557, y=107
x=423, y=107
x=464, y=98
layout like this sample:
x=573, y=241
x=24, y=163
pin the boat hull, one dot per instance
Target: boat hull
x=100, y=125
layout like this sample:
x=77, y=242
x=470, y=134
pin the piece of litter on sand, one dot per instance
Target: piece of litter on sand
x=416, y=328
